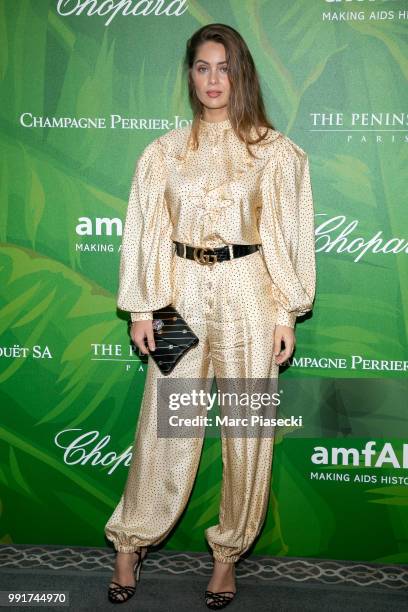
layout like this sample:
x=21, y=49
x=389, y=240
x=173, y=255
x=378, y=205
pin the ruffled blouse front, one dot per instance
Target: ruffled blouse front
x=217, y=195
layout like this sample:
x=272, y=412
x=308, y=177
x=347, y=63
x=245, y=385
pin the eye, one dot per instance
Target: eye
x=201, y=68
x=224, y=68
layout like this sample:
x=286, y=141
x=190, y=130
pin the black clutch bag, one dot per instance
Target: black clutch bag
x=173, y=338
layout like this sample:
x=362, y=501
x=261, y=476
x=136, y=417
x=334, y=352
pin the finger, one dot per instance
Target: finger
x=277, y=344
x=133, y=334
x=285, y=355
x=141, y=345
x=150, y=339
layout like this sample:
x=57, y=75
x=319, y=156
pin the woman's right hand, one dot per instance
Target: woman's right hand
x=139, y=332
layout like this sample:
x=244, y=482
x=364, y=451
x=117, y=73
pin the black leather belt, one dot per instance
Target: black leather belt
x=210, y=256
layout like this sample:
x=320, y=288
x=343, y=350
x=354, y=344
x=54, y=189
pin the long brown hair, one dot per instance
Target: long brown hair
x=246, y=108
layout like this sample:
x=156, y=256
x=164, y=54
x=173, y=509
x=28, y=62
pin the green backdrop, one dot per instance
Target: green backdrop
x=81, y=96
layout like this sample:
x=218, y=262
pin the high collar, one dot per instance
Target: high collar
x=215, y=126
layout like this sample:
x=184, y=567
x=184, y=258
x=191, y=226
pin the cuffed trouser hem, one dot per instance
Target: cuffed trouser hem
x=223, y=559
x=127, y=549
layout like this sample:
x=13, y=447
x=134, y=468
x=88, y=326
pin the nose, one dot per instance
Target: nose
x=213, y=75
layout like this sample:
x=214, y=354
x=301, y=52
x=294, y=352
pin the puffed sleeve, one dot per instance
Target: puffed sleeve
x=146, y=254
x=287, y=232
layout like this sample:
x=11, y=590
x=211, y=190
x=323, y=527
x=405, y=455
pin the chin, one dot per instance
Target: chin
x=216, y=103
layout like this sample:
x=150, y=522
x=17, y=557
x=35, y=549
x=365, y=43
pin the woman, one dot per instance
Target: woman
x=234, y=185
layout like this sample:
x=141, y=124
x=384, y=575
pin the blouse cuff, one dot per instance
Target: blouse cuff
x=141, y=316
x=285, y=318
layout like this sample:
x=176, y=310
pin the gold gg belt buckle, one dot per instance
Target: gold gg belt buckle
x=204, y=258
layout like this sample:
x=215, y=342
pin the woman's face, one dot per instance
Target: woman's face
x=210, y=74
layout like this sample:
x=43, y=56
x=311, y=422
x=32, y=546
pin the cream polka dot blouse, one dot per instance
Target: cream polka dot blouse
x=216, y=195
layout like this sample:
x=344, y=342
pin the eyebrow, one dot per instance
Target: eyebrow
x=204, y=62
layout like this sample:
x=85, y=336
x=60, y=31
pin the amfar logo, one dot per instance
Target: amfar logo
x=353, y=456
x=100, y=226
x=140, y=7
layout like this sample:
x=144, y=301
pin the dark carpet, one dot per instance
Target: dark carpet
x=171, y=581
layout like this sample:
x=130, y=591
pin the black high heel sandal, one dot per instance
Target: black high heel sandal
x=120, y=593
x=219, y=600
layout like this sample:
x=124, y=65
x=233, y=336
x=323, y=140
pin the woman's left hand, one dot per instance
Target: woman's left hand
x=287, y=334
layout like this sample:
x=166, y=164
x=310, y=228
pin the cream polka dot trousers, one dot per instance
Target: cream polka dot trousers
x=209, y=197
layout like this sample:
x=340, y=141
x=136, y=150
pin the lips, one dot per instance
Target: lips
x=213, y=93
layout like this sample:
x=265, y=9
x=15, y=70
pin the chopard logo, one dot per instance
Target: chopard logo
x=128, y=8
x=89, y=448
x=336, y=234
